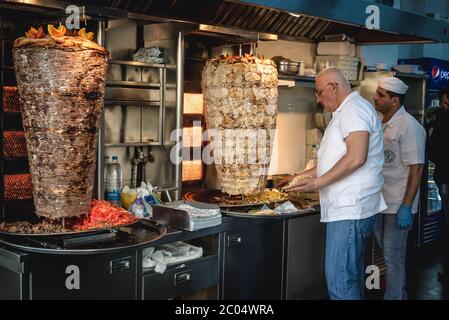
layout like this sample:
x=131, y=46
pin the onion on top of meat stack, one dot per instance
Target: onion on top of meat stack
x=61, y=81
x=241, y=100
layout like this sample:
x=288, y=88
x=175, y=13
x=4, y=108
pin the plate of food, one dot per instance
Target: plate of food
x=227, y=201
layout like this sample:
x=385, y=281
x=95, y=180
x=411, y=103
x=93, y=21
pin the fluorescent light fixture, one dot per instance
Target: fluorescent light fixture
x=296, y=15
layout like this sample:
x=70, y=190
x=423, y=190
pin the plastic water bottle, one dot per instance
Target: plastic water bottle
x=114, y=181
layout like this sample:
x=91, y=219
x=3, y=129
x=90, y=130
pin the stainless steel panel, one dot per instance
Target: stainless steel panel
x=150, y=124
x=161, y=172
x=171, y=109
x=134, y=94
x=121, y=39
x=180, y=56
x=122, y=124
x=305, y=258
x=150, y=75
x=182, y=279
x=99, y=189
x=253, y=262
x=115, y=72
x=133, y=74
x=119, y=72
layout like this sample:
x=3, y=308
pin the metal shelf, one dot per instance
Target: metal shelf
x=132, y=84
x=296, y=78
x=306, y=79
x=142, y=64
x=132, y=103
x=132, y=144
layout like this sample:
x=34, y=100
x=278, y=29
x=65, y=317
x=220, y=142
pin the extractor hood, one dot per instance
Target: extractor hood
x=295, y=19
x=301, y=20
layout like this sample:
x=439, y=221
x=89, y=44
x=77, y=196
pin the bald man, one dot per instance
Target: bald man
x=349, y=178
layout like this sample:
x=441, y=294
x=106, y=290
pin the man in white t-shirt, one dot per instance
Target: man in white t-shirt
x=404, y=150
x=349, y=178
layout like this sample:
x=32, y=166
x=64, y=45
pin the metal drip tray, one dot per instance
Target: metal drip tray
x=101, y=241
x=306, y=204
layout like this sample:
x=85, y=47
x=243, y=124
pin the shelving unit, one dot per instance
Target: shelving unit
x=142, y=64
x=131, y=93
x=132, y=84
x=307, y=80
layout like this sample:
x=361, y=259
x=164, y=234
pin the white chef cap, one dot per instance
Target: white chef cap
x=393, y=84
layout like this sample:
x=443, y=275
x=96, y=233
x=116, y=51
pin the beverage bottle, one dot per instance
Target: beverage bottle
x=114, y=181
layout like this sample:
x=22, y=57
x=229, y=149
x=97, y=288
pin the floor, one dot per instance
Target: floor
x=423, y=265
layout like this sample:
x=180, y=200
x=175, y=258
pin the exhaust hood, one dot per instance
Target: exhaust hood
x=301, y=20
x=298, y=20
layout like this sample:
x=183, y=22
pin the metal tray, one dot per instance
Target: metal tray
x=69, y=233
x=207, y=197
x=265, y=216
x=136, y=235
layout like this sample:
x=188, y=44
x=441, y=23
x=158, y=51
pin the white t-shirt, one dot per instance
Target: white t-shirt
x=404, y=145
x=359, y=195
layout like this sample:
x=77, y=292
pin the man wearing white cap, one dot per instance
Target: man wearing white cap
x=404, y=151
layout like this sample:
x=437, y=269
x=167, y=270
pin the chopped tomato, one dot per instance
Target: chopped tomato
x=102, y=215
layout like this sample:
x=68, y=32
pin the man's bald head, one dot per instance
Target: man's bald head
x=333, y=74
x=332, y=88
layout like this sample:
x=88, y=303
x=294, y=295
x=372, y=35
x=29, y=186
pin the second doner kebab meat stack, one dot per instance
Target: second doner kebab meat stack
x=241, y=100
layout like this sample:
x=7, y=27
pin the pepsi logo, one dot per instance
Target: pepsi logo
x=438, y=74
x=435, y=72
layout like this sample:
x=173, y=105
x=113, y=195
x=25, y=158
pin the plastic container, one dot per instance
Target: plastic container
x=114, y=181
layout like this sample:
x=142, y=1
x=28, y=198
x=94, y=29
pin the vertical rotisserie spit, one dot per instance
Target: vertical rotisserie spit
x=61, y=85
x=241, y=100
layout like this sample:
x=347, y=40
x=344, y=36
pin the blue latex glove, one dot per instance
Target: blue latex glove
x=404, y=217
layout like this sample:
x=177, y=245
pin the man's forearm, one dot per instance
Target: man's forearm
x=413, y=183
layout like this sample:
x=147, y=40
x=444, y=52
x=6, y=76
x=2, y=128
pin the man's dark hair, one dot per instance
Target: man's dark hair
x=444, y=91
x=396, y=95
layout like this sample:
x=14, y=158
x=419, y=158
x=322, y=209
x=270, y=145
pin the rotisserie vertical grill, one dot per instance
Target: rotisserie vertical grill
x=241, y=99
x=61, y=86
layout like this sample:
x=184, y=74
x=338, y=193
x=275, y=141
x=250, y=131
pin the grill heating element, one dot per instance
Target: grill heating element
x=11, y=101
x=17, y=187
x=14, y=144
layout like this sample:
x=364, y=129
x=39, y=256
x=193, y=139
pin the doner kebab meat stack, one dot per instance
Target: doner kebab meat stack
x=241, y=96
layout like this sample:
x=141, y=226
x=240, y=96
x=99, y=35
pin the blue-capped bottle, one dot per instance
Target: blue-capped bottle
x=114, y=181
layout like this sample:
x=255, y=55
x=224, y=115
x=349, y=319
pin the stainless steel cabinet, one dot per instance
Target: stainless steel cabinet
x=181, y=279
x=306, y=240
x=253, y=262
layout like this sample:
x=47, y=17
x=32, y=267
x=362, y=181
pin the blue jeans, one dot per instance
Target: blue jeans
x=345, y=258
x=393, y=242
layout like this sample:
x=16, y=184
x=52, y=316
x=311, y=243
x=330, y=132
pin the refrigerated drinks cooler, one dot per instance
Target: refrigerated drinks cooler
x=429, y=226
